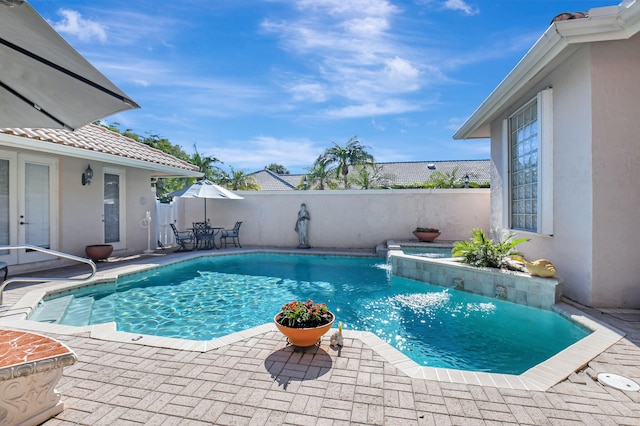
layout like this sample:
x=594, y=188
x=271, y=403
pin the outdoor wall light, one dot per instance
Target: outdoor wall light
x=466, y=181
x=87, y=176
x=305, y=183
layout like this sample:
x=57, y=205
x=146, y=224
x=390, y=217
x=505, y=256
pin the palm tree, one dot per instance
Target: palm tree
x=371, y=177
x=319, y=176
x=352, y=154
x=238, y=180
x=450, y=179
x=205, y=164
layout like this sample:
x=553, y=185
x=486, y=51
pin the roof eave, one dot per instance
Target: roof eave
x=561, y=38
x=157, y=170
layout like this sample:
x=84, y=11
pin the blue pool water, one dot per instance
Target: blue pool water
x=430, y=252
x=212, y=297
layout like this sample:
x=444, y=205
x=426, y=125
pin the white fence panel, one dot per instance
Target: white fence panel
x=166, y=214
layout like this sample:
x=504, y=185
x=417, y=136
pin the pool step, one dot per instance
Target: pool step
x=78, y=312
x=52, y=310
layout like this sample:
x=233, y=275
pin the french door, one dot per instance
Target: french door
x=28, y=205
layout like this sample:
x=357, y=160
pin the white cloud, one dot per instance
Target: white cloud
x=460, y=5
x=260, y=151
x=73, y=23
x=355, y=57
x=391, y=106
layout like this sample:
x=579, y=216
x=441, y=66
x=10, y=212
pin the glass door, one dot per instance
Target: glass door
x=113, y=208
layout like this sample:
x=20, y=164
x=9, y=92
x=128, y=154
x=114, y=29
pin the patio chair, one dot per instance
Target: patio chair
x=234, y=234
x=183, y=238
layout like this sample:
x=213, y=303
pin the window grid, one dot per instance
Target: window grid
x=524, y=168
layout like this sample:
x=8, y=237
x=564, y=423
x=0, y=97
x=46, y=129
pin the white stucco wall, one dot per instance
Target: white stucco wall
x=344, y=219
x=616, y=171
x=596, y=96
x=81, y=207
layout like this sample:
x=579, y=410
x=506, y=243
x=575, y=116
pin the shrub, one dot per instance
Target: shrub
x=482, y=251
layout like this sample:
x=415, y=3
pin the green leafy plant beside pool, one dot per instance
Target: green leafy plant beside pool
x=483, y=251
x=304, y=314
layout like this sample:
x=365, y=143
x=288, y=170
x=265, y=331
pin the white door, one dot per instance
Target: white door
x=37, y=205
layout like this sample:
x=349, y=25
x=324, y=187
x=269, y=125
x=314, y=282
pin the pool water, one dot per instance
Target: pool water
x=211, y=297
x=430, y=252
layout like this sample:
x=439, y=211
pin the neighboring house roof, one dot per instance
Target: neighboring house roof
x=561, y=39
x=269, y=181
x=408, y=173
x=99, y=143
x=401, y=173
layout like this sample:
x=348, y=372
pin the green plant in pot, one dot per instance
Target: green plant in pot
x=482, y=251
x=304, y=323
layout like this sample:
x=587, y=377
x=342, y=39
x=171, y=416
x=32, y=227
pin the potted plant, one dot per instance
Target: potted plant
x=304, y=323
x=426, y=235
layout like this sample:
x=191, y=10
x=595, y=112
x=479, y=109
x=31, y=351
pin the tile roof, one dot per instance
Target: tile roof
x=420, y=171
x=269, y=181
x=102, y=140
x=403, y=173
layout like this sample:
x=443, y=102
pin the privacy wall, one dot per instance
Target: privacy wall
x=343, y=219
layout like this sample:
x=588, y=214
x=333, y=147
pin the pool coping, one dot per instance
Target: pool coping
x=540, y=377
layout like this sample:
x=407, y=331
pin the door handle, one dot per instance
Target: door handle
x=24, y=223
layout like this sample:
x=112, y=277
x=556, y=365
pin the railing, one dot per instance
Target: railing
x=38, y=279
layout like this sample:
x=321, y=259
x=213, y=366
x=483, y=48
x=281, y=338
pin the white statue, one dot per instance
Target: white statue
x=302, y=225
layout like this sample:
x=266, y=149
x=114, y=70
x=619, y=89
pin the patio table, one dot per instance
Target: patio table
x=206, y=237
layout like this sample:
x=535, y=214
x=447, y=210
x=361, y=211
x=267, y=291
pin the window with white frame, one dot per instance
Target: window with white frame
x=530, y=154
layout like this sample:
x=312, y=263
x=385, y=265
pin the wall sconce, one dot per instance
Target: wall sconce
x=87, y=176
x=466, y=181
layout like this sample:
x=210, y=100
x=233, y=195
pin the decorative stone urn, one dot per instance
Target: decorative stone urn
x=98, y=252
x=304, y=337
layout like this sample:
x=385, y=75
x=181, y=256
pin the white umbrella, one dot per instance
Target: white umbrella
x=205, y=189
x=44, y=82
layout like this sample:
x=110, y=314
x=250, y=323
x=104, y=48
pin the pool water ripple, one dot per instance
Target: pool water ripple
x=212, y=297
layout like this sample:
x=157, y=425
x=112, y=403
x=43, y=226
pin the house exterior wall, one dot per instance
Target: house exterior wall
x=570, y=246
x=80, y=209
x=596, y=96
x=616, y=166
x=344, y=219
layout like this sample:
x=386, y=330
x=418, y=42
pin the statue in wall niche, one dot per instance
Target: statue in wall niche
x=302, y=226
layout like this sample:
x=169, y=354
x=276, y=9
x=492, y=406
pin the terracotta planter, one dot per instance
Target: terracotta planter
x=97, y=252
x=303, y=337
x=426, y=237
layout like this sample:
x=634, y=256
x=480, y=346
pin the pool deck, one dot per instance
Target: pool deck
x=257, y=379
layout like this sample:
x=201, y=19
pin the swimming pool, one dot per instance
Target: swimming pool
x=211, y=297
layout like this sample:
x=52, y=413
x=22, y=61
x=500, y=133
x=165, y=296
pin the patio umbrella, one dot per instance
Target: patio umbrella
x=44, y=82
x=205, y=189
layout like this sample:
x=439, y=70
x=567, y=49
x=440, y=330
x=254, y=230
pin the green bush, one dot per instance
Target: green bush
x=482, y=251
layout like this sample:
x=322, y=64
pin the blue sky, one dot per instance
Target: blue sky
x=255, y=82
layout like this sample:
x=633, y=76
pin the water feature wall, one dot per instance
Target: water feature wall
x=516, y=287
